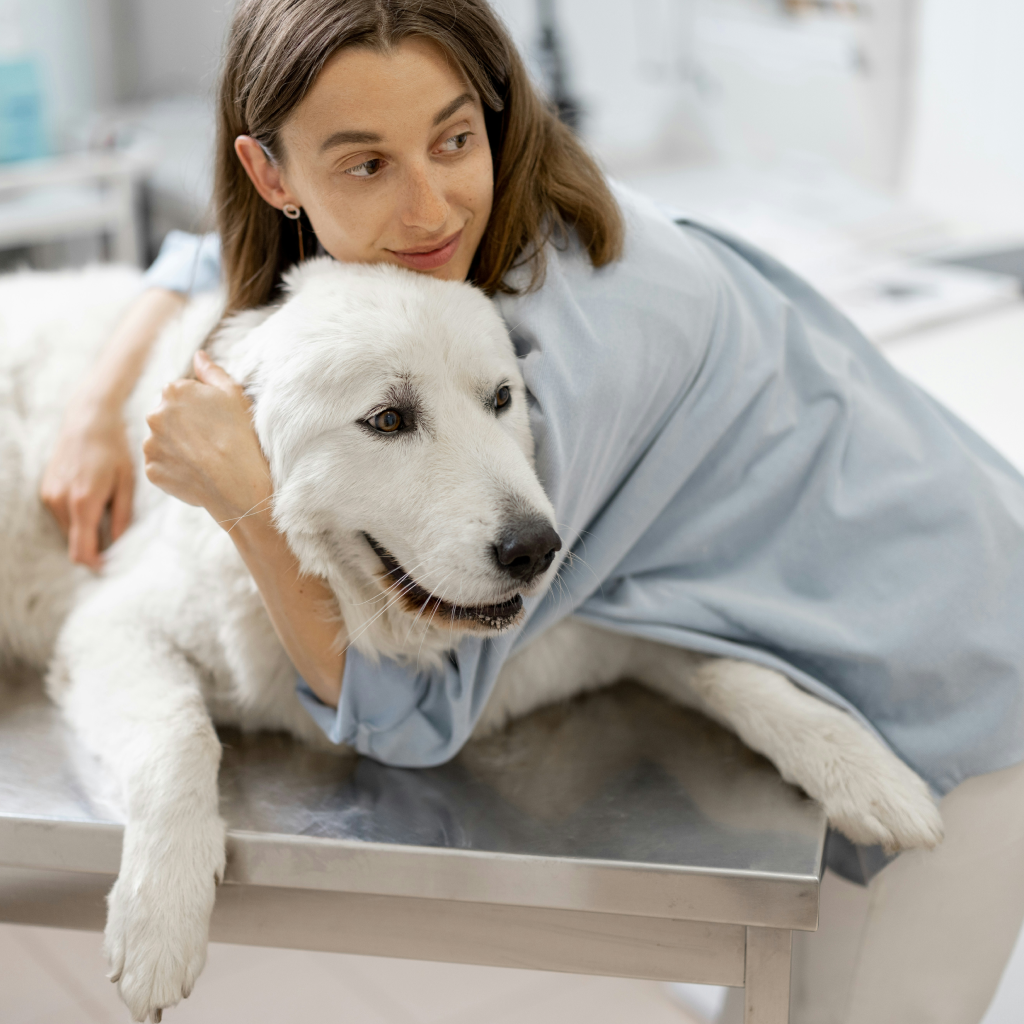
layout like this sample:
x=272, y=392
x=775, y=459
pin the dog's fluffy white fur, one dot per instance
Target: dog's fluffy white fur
x=173, y=637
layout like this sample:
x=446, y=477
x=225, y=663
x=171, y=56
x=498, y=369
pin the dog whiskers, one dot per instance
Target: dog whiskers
x=390, y=604
x=563, y=591
x=451, y=619
x=572, y=558
x=254, y=511
x=387, y=590
x=377, y=615
x=426, y=625
x=419, y=612
x=415, y=619
x=437, y=604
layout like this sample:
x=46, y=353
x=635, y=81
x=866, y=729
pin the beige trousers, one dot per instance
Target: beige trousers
x=926, y=942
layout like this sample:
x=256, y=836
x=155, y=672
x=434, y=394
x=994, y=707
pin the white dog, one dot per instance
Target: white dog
x=393, y=415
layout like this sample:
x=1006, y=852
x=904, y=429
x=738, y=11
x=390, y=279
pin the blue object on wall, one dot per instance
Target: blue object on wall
x=22, y=125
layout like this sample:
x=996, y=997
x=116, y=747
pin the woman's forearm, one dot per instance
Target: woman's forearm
x=302, y=608
x=121, y=362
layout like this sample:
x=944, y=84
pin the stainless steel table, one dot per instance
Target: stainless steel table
x=617, y=835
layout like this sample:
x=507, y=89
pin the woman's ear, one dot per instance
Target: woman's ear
x=263, y=173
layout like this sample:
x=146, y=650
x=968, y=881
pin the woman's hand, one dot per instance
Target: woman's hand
x=203, y=449
x=89, y=471
x=91, y=467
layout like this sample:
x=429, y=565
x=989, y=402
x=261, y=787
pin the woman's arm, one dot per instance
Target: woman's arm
x=204, y=451
x=91, y=465
x=302, y=608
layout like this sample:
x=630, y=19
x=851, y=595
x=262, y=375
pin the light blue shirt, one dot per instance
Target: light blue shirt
x=186, y=263
x=742, y=473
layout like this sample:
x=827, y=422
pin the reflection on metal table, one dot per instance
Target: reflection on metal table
x=616, y=835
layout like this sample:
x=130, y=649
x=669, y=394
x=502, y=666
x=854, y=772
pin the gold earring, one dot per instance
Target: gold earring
x=293, y=212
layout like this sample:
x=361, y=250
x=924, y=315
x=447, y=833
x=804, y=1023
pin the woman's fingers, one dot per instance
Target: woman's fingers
x=203, y=449
x=55, y=498
x=210, y=373
x=121, y=503
x=84, y=532
x=90, y=468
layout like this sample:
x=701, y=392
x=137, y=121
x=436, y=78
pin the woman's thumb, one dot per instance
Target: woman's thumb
x=209, y=372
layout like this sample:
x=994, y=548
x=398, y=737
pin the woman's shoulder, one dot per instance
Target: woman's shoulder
x=671, y=277
x=186, y=263
x=651, y=311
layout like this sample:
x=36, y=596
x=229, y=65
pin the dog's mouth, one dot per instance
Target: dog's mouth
x=415, y=599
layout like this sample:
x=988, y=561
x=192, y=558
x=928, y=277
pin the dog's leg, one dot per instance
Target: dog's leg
x=569, y=659
x=868, y=793
x=136, y=703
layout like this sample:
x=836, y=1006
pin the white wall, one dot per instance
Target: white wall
x=674, y=81
x=179, y=45
x=631, y=66
x=967, y=151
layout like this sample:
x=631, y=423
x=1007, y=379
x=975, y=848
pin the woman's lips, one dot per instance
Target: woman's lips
x=434, y=258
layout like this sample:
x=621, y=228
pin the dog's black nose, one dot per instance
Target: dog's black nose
x=527, y=549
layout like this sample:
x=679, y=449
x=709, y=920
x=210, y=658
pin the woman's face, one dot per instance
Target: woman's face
x=388, y=155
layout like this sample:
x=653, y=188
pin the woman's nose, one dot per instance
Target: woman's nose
x=425, y=206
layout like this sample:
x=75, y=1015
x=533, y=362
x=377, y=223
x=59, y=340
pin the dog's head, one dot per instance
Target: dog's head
x=392, y=411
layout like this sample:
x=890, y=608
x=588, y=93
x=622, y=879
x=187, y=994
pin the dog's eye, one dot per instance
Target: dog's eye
x=387, y=422
x=502, y=397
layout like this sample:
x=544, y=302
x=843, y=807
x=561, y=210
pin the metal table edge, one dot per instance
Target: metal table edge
x=311, y=862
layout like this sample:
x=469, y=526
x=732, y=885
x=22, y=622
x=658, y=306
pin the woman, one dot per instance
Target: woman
x=742, y=472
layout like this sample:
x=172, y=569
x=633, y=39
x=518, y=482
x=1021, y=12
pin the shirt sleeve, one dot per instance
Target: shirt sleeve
x=406, y=717
x=188, y=264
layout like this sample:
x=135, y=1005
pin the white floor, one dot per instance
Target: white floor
x=52, y=976
x=975, y=368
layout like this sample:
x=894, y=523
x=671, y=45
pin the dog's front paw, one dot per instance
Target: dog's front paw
x=873, y=798
x=158, y=915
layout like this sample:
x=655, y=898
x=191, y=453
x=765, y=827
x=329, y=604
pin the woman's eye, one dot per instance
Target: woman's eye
x=502, y=397
x=367, y=169
x=456, y=142
x=387, y=422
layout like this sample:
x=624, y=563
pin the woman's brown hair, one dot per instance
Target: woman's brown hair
x=545, y=183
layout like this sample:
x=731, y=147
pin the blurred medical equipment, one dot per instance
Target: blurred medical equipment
x=831, y=6
x=551, y=59
x=22, y=129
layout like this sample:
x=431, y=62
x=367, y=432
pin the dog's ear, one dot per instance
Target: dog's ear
x=297, y=277
x=230, y=343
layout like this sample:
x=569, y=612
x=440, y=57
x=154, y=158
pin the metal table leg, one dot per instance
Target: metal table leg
x=766, y=979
